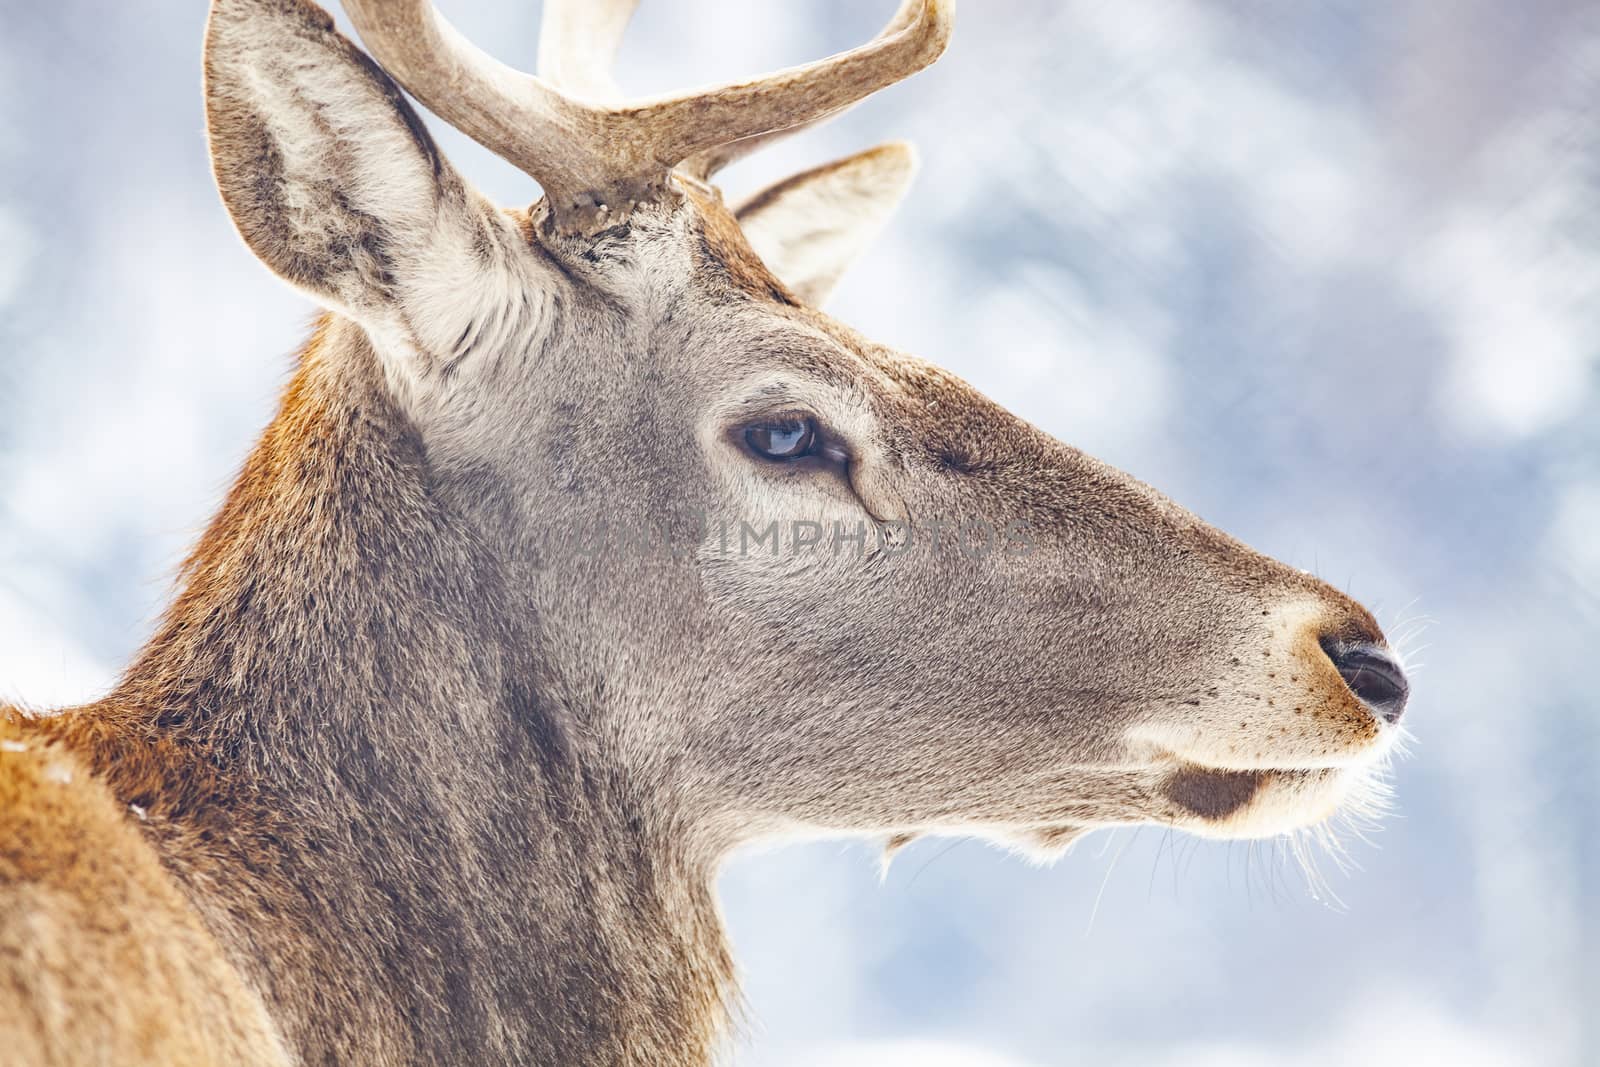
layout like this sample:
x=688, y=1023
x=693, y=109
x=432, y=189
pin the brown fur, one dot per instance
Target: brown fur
x=726, y=252
x=272, y=765
x=405, y=776
x=102, y=958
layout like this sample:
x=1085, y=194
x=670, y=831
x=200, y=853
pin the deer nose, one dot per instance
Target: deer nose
x=1374, y=676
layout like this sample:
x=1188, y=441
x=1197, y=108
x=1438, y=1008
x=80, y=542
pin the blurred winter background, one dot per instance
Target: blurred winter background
x=1327, y=272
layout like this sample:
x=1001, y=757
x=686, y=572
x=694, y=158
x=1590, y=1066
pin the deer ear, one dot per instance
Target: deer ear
x=328, y=172
x=812, y=226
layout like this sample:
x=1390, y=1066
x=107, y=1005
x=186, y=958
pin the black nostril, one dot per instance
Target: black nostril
x=1373, y=675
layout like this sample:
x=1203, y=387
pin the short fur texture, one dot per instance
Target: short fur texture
x=411, y=774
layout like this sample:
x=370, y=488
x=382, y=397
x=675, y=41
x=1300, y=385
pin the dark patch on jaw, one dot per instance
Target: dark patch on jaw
x=1212, y=794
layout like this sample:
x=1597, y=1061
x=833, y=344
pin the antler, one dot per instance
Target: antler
x=578, y=42
x=598, y=156
x=705, y=164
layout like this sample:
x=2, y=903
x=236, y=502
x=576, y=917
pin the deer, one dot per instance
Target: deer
x=411, y=773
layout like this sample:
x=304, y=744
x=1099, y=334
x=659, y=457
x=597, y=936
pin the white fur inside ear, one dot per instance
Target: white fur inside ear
x=335, y=185
x=809, y=228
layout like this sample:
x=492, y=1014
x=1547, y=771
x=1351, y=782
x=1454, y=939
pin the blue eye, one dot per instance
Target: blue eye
x=782, y=439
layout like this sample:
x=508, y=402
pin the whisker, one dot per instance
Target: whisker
x=1095, y=910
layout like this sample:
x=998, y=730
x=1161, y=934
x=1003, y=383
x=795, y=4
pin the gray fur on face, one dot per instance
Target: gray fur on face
x=412, y=773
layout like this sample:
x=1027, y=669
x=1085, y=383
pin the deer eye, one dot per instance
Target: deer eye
x=781, y=439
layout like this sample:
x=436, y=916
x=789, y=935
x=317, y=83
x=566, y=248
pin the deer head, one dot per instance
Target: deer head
x=874, y=602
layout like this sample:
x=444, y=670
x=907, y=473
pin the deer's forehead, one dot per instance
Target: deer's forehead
x=663, y=255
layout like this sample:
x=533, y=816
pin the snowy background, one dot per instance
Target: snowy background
x=1327, y=272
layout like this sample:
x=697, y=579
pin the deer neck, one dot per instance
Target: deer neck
x=344, y=742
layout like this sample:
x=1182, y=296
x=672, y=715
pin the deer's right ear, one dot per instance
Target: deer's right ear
x=328, y=172
x=812, y=226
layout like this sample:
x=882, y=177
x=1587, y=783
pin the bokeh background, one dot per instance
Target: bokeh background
x=1327, y=272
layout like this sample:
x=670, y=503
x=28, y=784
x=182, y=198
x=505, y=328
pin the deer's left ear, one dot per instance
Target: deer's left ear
x=810, y=227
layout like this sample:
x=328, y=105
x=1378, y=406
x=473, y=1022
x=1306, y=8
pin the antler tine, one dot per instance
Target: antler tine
x=696, y=121
x=705, y=164
x=596, y=161
x=578, y=42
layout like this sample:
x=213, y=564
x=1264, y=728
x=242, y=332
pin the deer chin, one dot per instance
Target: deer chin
x=1220, y=802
